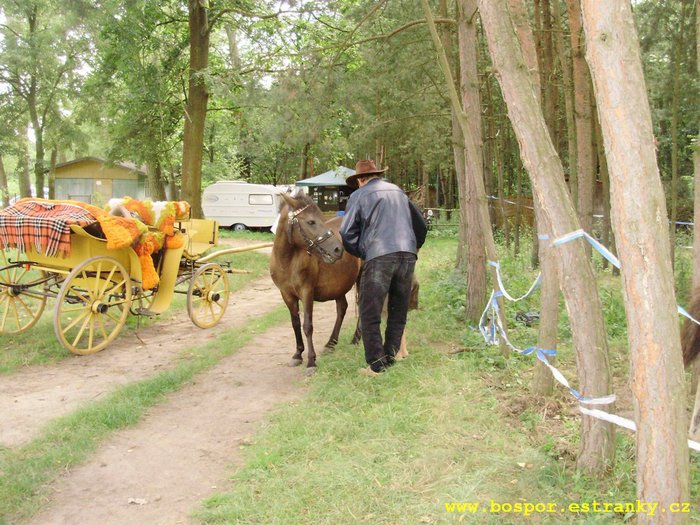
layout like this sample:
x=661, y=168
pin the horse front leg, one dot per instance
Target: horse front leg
x=308, y=301
x=341, y=306
x=293, y=307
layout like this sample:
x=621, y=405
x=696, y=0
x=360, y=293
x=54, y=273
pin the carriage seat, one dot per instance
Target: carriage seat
x=201, y=235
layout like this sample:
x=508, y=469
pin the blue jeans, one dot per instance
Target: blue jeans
x=388, y=275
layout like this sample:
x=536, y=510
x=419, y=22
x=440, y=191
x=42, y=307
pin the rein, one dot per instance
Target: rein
x=312, y=245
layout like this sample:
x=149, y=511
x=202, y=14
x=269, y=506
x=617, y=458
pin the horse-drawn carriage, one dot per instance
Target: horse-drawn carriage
x=100, y=267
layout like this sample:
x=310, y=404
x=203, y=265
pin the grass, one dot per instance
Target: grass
x=39, y=346
x=438, y=429
x=25, y=472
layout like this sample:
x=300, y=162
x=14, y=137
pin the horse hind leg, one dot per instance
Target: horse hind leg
x=341, y=306
x=357, y=336
x=293, y=307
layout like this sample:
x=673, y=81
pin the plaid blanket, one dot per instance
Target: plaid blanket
x=41, y=226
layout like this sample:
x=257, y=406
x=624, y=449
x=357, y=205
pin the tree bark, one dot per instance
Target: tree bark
x=542, y=381
x=676, y=50
x=565, y=65
x=154, y=176
x=474, y=171
x=695, y=420
x=582, y=116
x=25, y=184
x=196, y=108
x=473, y=156
x=578, y=281
x=4, y=192
x=52, y=174
x=642, y=239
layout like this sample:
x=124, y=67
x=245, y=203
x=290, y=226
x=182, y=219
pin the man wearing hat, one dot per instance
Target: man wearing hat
x=377, y=227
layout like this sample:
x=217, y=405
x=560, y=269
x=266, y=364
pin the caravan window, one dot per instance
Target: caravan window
x=259, y=199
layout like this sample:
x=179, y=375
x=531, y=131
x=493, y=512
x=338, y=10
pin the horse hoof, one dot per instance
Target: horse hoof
x=295, y=362
x=310, y=370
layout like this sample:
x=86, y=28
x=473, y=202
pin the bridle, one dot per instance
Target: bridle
x=312, y=245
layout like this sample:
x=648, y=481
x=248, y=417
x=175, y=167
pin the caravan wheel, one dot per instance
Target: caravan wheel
x=238, y=227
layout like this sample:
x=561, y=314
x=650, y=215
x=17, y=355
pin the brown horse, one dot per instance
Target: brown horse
x=308, y=263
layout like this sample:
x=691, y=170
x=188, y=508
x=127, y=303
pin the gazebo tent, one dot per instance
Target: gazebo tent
x=334, y=177
x=328, y=189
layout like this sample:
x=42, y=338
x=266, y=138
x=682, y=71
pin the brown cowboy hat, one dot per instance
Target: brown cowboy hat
x=363, y=168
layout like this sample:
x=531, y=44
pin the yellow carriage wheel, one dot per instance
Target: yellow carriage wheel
x=207, y=297
x=92, y=305
x=21, y=304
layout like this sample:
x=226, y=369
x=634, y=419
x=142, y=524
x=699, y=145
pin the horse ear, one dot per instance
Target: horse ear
x=291, y=202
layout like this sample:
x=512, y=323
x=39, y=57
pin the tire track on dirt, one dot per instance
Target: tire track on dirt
x=183, y=450
x=33, y=396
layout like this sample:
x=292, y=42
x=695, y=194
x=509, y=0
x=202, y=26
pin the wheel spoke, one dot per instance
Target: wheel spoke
x=16, y=312
x=111, y=290
x=102, y=327
x=24, y=305
x=75, y=321
x=90, y=331
x=109, y=280
x=82, y=329
x=115, y=319
x=5, y=313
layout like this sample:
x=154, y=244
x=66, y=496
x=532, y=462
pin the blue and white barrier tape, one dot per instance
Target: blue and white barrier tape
x=502, y=287
x=491, y=337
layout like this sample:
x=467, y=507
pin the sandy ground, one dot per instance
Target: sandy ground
x=184, y=449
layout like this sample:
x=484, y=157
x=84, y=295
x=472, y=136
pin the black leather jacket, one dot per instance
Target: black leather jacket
x=377, y=221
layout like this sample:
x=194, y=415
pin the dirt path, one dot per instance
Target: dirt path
x=35, y=395
x=182, y=450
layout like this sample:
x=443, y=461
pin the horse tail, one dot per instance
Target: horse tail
x=690, y=335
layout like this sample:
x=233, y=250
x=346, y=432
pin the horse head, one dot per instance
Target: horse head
x=307, y=229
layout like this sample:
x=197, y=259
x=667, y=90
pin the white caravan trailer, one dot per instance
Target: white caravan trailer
x=240, y=205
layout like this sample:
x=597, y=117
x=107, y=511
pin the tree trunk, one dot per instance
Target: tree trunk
x=25, y=184
x=154, y=176
x=582, y=115
x=518, y=210
x=52, y=174
x=234, y=54
x=578, y=281
x=464, y=227
x=565, y=65
x=642, y=240
x=474, y=168
x=196, y=108
x=695, y=425
x=676, y=50
x=473, y=157
x=4, y=191
x=542, y=381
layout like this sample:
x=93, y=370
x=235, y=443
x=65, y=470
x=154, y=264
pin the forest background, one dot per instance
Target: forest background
x=296, y=88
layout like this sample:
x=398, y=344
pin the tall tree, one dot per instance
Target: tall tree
x=474, y=170
x=43, y=48
x=583, y=120
x=644, y=249
x=542, y=381
x=196, y=107
x=473, y=156
x=547, y=177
